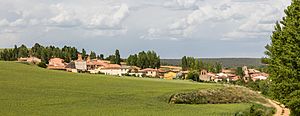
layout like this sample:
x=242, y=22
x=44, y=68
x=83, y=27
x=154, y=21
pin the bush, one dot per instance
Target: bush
x=42, y=65
x=217, y=96
x=294, y=103
x=257, y=110
x=193, y=75
x=264, y=87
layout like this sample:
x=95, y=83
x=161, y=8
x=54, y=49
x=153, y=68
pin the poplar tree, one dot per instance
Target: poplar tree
x=83, y=54
x=184, y=63
x=117, y=57
x=284, y=59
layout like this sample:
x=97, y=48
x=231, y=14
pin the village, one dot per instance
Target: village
x=97, y=66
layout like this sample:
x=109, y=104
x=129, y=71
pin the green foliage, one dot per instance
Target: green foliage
x=42, y=65
x=23, y=51
x=254, y=85
x=259, y=85
x=184, y=63
x=294, y=103
x=112, y=59
x=93, y=55
x=193, y=75
x=191, y=63
x=264, y=87
x=117, y=57
x=218, y=67
x=240, y=82
x=28, y=90
x=223, y=95
x=101, y=57
x=144, y=59
x=283, y=56
x=83, y=53
x=132, y=60
x=240, y=72
x=257, y=110
x=225, y=62
x=44, y=53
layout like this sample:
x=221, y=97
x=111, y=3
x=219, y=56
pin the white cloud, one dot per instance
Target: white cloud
x=4, y=22
x=64, y=17
x=109, y=20
x=182, y=4
x=99, y=19
x=253, y=18
x=258, y=24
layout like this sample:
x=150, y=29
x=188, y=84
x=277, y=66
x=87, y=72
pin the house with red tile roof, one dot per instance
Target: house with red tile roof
x=114, y=69
x=30, y=59
x=56, y=64
x=150, y=72
x=254, y=74
x=78, y=65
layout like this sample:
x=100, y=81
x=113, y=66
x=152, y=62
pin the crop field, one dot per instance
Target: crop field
x=30, y=90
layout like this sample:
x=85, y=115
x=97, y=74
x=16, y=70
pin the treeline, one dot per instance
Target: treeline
x=68, y=53
x=191, y=63
x=226, y=62
x=144, y=59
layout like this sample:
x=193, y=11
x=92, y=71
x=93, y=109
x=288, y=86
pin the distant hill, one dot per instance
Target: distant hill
x=226, y=62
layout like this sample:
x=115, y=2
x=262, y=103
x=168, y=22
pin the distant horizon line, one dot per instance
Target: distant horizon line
x=226, y=57
x=219, y=58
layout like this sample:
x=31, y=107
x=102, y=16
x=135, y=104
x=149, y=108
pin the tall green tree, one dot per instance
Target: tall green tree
x=284, y=59
x=83, y=52
x=15, y=52
x=218, y=67
x=240, y=71
x=23, y=51
x=93, y=55
x=144, y=59
x=101, y=56
x=117, y=57
x=184, y=63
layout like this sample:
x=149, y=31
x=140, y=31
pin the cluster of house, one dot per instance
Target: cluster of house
x=95, y=66
x=230, y=75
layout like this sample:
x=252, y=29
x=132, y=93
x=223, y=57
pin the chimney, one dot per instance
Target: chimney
x=79, y=57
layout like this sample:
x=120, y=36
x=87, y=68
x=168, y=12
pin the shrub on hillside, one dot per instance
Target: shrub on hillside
x=217, y=96
x=42, y=65
x=257, y=110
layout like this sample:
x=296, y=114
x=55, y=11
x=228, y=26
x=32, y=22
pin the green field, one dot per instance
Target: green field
x=29, y=90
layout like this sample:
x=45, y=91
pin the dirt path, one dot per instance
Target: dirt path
x=280, y=110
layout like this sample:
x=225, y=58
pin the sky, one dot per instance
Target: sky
x=172, y=28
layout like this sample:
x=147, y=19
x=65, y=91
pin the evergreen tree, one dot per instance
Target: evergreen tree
x=23, y=51
x=83, y=54
x=184, y=63
x=101, y=56
x=240, y=72
x=218, y=67
x=117, y=57
x=284, y=59
x=112, y=59
x=93, y=55
x=15, y=52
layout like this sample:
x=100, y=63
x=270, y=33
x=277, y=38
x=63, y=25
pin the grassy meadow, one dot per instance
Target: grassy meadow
x=29, y=90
